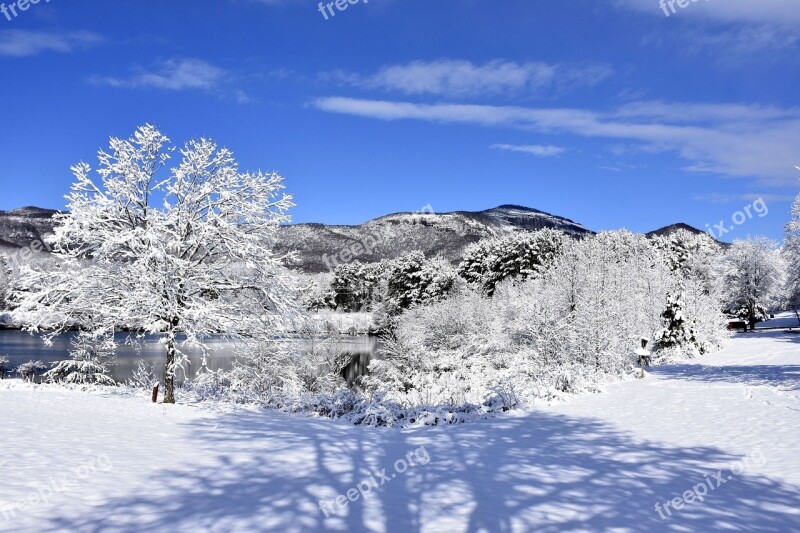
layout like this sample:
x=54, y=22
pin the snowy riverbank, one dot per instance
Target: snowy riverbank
x=77, y=461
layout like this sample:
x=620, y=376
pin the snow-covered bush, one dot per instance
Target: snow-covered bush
x=28, y=371
x=378, y=411
x=315, y=290
x=91, y=358
x=4, y=360
x=144, y=376
x=330, y=322
x=276, y=372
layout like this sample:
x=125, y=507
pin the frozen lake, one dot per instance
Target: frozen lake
x=22, y=347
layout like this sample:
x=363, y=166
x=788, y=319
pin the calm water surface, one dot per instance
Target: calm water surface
x=22, y=347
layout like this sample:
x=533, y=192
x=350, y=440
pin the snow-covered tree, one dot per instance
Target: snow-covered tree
x=753, y=277
x=89, y=364
x=413, y=280
x=677, y=333
x=5, y=283
x=4, y=360
x=791, y=254
x=519, y=255
x=692, y=256
x=173, y=251
x=28, y=371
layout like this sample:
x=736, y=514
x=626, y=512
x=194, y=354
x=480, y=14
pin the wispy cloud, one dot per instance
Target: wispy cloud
x=540, y=150
x=458, y=78
x=172, y=75
x=722, y=198
x=180, y=74
x=729, y=139
x=779, y=12
x=25, y=43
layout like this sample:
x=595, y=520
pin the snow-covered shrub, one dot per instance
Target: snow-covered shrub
x=144, y=376
x=377, y=411
x=4, y=360
x=330, y=322
x=91, y=358
x=315, y=290
x=276, y=372
x=28, y=371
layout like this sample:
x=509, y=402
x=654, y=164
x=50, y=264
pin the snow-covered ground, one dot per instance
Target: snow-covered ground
x=76, y=461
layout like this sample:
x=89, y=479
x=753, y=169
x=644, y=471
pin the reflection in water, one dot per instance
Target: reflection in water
x=22, y=347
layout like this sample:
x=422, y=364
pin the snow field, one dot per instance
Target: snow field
x=597, y=462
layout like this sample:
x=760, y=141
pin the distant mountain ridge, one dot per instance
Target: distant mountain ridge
x=319, y=247
x=669, y=230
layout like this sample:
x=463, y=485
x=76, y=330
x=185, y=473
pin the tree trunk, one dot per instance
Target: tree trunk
x=169, y=370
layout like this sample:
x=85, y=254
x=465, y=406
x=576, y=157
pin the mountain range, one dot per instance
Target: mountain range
x=318, y=247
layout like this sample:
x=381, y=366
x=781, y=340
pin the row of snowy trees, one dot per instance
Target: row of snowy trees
x=568, y=327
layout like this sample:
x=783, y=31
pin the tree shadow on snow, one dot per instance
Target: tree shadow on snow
x=530, y=472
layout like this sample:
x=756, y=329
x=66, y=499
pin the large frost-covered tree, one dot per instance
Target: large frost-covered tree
x=181, y=250
x=754, y=275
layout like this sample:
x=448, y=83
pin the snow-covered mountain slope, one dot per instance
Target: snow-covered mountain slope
x=75, y=461
x=445, y=234
x=21, y=227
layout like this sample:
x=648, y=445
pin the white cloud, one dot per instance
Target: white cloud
x=173, y=75
x=540, y=150
x=456, y=78
x=729, y=139
x=24, y=43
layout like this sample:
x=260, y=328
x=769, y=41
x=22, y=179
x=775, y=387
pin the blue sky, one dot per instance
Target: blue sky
x=610, y=113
